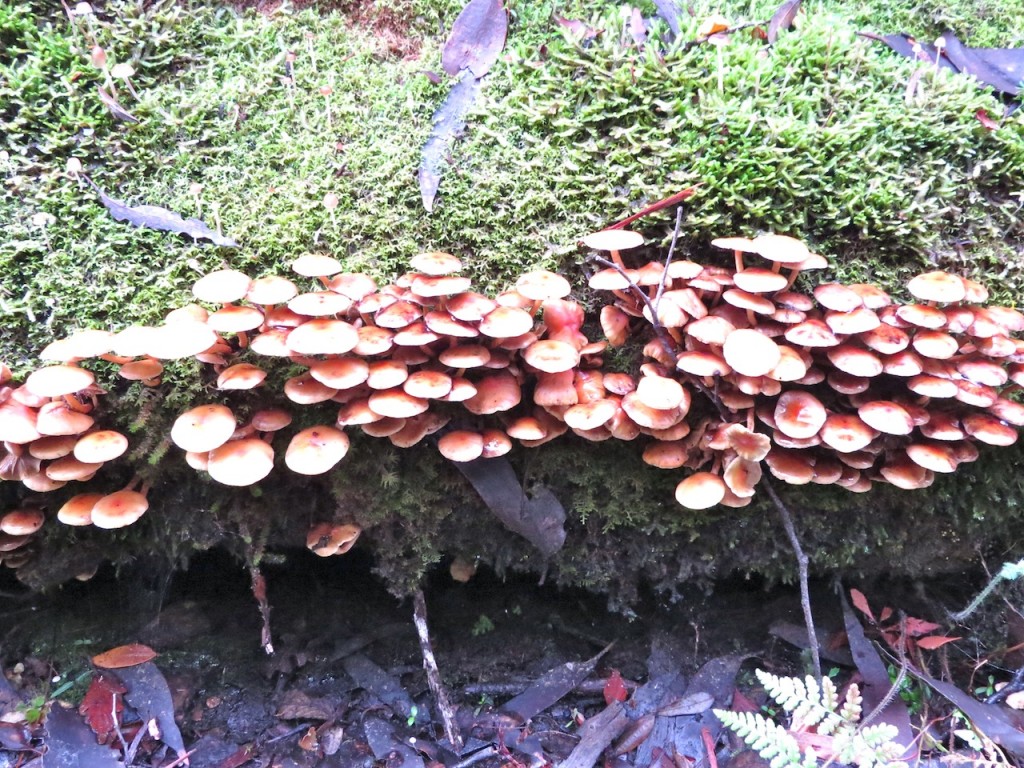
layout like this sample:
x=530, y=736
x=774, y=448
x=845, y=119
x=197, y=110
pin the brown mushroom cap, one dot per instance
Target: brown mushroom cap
x=613, y=240
x=316, y=450
x=270, y=419
x=119, y=509
x=542, y=285
x=499, y=391
x=58, y=380
x=203, y=428
x=846, y=432
x=327, y=539
x=316, y=265
x=887, y=417
x=78, y=509
x=101, y=446
x=938, y=286
x=750, y=353
x=141, y=370
x=272, y=289
x=23, y=521
x=461, y=445
x=56, y=418
x=799, y=414
x=435, y=263
x=323, y=336
x=506, y=323
x=241, y=462
x=241, y=376
x=222, y=287
x=701, y=490
x=781, y=249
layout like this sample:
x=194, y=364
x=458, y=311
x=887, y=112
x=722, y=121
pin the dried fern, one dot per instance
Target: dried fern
x=814, y=705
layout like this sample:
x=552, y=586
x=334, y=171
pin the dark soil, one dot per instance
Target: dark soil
x=302, y=706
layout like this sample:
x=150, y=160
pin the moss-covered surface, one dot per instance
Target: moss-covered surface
x=820, y=136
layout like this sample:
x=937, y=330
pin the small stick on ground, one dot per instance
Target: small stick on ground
x=802, y=563
x=259, y=591
x=419, y=615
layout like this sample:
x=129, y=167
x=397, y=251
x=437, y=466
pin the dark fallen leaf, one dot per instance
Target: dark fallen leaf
x=782, y=19
x=615, y=689
x=155, y=217
x=296, y=705
x=1000, y=68
x=388, y=748
x=540, y=520
x=70, y=744
x=448, y=120
x=671, y=12
x=124, y=656
x=876, y=680
x=103, y=702
x=149, y=694
x=476, y=39
x=15, y=737
x=991, y=719
x=431, y=76
x=578, y=29
x=637, y=28
x=388, y=689
x=550, y=687
x=119, y=112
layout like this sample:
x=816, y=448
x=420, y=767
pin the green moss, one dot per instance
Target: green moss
x=815, y=137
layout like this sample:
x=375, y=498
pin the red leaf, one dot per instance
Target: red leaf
x=918, y=627
x=885, y=614
x=476, y=39
x=742, y=703
x=986, y=120
x=577, y=28
x=124, y=656
x=101, y=701
x=614, y=688
x=861, y=604
x=932, y=642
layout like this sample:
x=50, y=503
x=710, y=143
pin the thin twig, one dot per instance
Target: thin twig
x=668, y=258
x=802, y=565
x=419, y=615
x=660, y=333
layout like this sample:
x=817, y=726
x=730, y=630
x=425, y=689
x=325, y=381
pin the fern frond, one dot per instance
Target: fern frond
x=852, y=709
x=773, y=742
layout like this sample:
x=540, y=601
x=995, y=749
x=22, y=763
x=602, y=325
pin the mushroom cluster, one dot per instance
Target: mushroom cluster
x=842, y=386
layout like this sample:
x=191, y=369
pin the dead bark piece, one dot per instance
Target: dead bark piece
x=596, y=735
x=550, y=687
x=437, y=688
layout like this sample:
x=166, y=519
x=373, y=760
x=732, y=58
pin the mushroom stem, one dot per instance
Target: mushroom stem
x=617, y=259
x=739, y=260
x=792, y=276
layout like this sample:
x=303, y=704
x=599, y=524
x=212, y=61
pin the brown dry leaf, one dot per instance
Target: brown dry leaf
x=124, y=656
x=296, y=705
